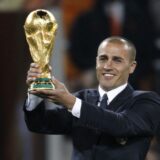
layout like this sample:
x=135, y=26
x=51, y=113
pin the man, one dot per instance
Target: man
x=117, y=127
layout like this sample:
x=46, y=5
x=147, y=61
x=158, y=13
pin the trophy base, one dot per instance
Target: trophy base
x=42, y=83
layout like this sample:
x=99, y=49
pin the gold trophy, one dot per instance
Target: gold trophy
x=40, y=30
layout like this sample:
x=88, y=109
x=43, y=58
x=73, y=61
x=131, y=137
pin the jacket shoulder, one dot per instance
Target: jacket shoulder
x=150, y=95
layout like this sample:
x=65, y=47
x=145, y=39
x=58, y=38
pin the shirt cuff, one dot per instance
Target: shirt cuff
x=76, y=110
x=32, y=102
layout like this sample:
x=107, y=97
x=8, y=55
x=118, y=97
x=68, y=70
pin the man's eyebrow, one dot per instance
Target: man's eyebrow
x=114, y=57
x=117, y=57
x=102, y=55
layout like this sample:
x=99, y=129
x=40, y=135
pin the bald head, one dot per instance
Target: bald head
x=126, y=44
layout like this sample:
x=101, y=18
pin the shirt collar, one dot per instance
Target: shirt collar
x=112, y=93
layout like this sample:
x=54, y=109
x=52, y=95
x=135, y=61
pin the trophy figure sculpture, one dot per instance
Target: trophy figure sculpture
x=40, y=30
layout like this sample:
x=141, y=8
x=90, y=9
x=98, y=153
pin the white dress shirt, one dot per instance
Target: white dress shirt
x=34, y=100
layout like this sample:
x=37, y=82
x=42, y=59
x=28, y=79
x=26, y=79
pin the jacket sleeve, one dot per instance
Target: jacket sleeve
x=55, y=121
x=141, y=118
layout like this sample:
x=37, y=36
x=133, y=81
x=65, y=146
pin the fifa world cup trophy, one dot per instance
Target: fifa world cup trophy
x=40, y=30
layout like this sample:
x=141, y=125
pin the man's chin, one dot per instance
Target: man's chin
x=106, y=87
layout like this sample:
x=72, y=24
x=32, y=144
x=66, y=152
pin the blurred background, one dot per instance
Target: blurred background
x=83, y=24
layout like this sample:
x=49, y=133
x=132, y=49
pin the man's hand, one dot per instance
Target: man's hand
x=58, y=95
x=33, y=73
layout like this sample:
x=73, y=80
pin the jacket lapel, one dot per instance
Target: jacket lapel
x=121, y=98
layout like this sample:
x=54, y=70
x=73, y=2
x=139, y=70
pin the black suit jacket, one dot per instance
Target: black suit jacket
x=123, y=131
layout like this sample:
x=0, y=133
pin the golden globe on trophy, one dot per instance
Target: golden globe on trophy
x=40, y=30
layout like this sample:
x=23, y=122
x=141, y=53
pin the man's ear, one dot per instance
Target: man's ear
x=133, y=67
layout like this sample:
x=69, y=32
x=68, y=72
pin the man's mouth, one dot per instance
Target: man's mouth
x=108, y=75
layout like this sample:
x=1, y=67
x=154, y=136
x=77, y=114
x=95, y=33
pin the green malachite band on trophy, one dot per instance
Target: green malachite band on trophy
x=42, y=83
x=44, y=80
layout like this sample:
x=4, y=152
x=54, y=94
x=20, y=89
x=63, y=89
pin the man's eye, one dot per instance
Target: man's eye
x=102, y=58
x=118, y=60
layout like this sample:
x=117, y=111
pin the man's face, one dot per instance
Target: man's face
x=113, y=65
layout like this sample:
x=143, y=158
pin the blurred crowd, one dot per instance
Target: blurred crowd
x=84, y=29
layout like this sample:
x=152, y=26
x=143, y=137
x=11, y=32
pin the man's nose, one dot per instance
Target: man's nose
x=108, y=64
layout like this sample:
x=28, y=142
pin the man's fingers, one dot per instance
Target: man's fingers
x=44, y=92
x=30, y=80
x=54, y=80
x=32, y=77
x=57, y=83
x=34, y=65
x=33, y=73
x=35, y=70
x=50, y=68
